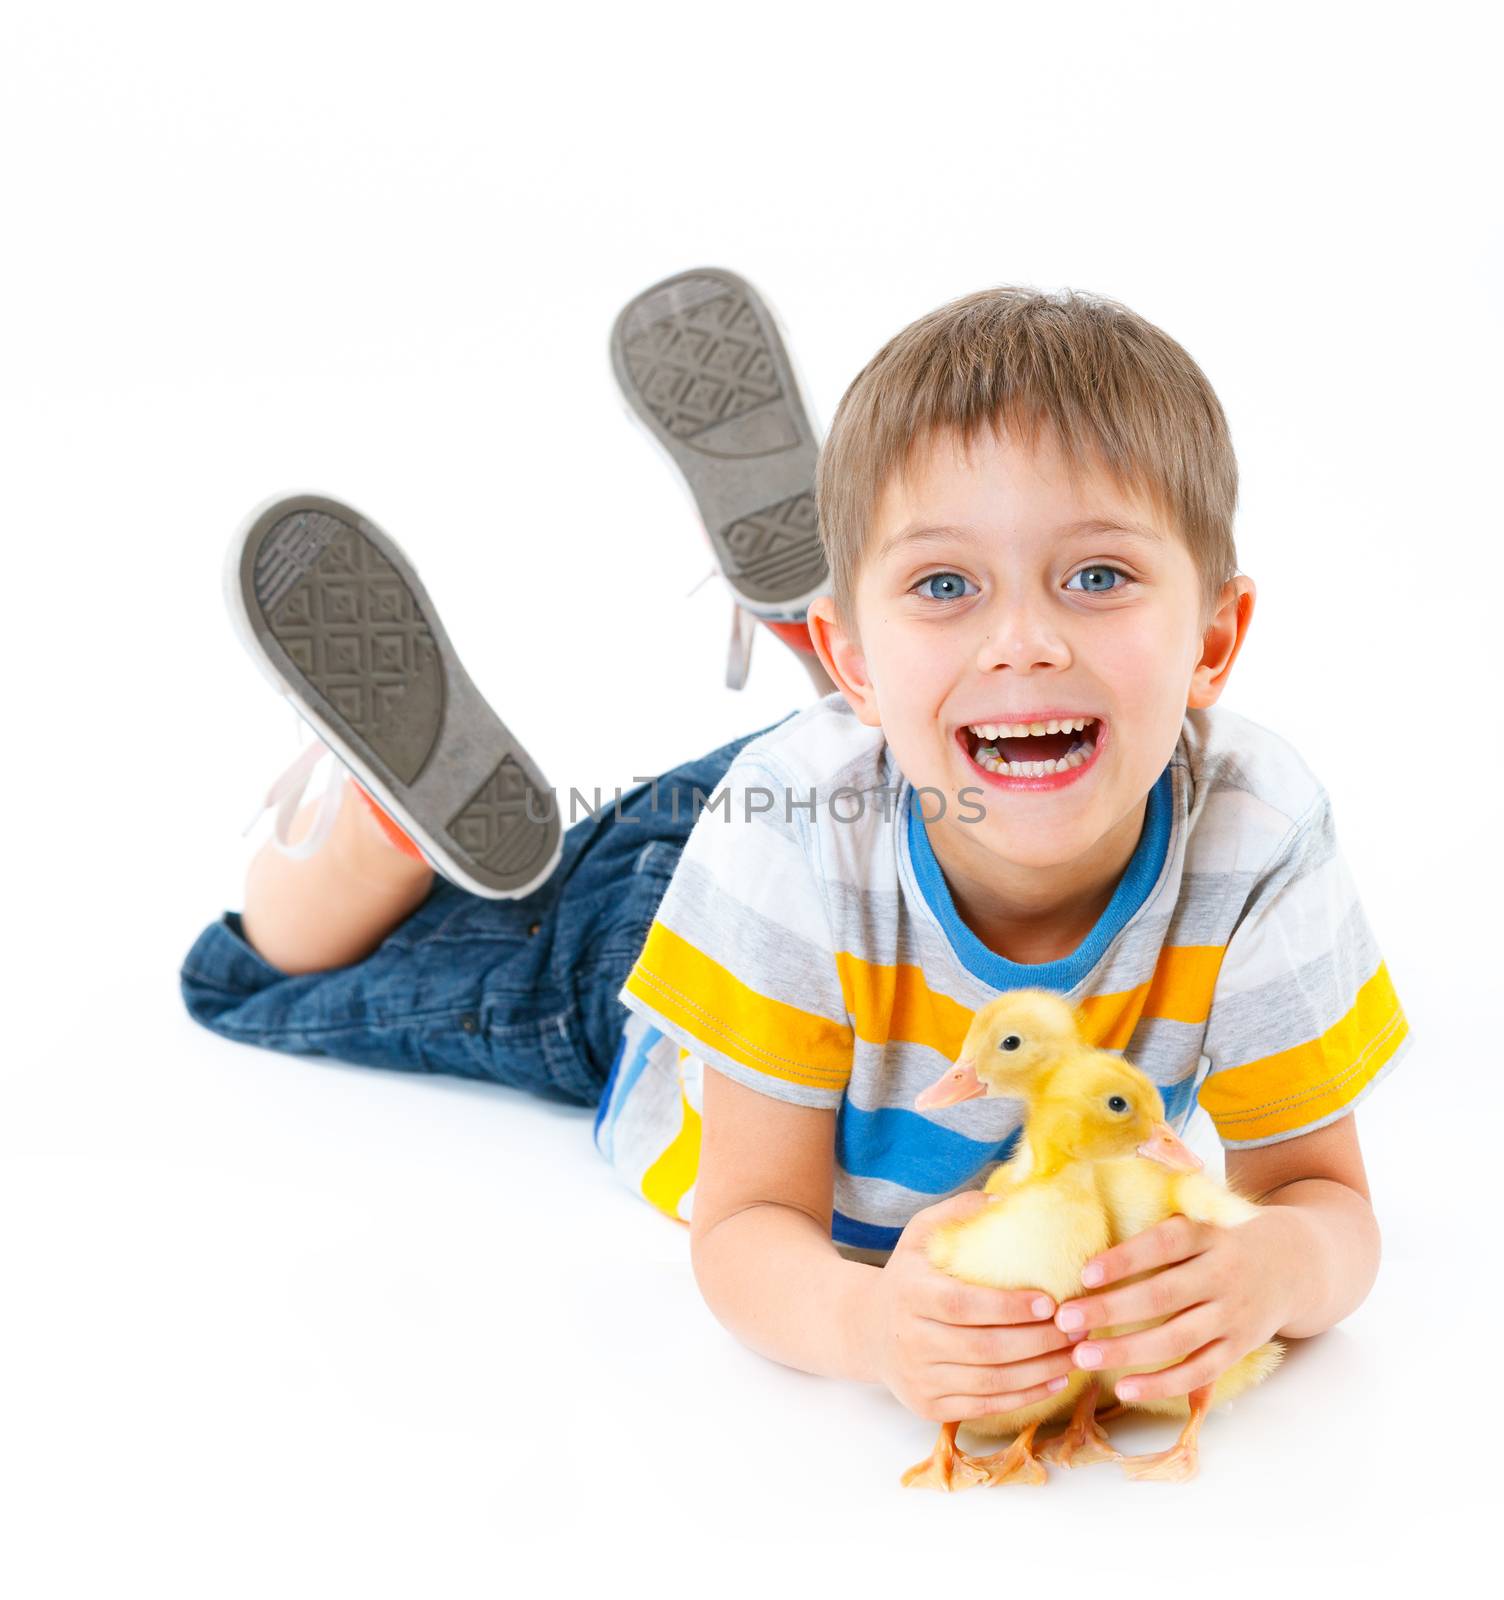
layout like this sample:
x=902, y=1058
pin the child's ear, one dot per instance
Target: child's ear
x=1223, y=639
x=841, y=655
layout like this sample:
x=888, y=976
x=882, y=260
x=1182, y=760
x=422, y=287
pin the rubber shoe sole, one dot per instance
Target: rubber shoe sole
x=335, y=615
x=701, y=362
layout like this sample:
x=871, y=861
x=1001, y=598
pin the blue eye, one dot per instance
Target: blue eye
x=1099, y=589
x=951, y=578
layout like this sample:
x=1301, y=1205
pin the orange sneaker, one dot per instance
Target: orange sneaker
x=394, y=834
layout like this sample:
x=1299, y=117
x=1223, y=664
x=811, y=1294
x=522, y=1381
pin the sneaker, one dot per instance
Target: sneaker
x=335, y=615
x=701, y=361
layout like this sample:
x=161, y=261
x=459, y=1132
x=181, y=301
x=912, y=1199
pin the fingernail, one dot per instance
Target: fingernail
x=1089, y=1355
x=1092, y=1275
x=1057, y=1383
x=1077, y=1336
x=1042, y=1307
x=1127, y=1391
x=1071, y=1319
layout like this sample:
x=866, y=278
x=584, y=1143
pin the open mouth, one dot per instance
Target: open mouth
x=1032, y=750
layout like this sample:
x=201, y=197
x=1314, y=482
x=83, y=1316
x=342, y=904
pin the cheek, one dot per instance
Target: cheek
x=1149, y=671
x=909, y=680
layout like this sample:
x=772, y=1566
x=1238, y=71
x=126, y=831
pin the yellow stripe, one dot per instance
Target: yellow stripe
x=1180, y=990
x=895, y=1002
x=671, y=1176
x=1292, y=1088
x=1185, y=977
x=724, y=1014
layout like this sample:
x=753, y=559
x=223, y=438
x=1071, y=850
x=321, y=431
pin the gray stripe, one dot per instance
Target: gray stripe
x=890, y=1205
x=746, y=942
x=1297, y=1006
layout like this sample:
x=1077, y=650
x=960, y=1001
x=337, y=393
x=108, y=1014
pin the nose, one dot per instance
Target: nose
x=1021, y=634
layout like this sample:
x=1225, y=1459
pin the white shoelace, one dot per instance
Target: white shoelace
x=739, y=656
x=743, y=632
x=287, y=790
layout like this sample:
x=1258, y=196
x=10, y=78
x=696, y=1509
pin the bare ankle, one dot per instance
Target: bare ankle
x=335, y=906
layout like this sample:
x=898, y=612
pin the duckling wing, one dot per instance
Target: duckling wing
x=1037, y=1237
x=1203, y=1199
x=1138, y=1193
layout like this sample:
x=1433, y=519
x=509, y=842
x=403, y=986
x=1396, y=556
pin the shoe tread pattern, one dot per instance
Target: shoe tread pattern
x=702, y=366
x=498, y=828
x=354, y=630
x=775, y=554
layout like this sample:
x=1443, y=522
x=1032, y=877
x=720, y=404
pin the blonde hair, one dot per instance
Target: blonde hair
x=1120, y=395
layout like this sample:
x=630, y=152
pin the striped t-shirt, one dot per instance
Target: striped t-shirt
x=812, y=952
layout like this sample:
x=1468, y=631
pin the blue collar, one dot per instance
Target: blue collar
x=1134, y=887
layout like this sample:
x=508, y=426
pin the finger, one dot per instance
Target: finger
x=998, y=1346
x=1171, y=1240
x=1202, y=1366
x=967, y=1407
x=1161, y=1294
x=947, y=1299
x=1008, y=1378
x=1153, y=1347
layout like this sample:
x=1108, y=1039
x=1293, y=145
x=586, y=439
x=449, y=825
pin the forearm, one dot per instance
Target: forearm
x=1333, y=1252
x=773, y=1279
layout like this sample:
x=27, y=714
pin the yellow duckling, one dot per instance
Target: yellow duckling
x=1138, y=1194
x=1097, y=1163
x=1049, y=1216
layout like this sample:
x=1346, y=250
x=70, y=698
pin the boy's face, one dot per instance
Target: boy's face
x=993, y=590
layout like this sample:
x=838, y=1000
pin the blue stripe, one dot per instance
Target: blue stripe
x=864, y=1235
x=907, y=1148
x=1180, y=1101
x=604, y=1138
x=1134, y=887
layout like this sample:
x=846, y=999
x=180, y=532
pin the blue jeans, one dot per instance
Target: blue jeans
x=517, y=992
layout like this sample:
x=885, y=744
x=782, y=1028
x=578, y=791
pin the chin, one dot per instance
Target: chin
x=1022, y=848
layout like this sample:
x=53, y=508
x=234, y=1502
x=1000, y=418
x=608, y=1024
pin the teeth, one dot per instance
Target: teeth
x=989, y=758
x=1025, y=730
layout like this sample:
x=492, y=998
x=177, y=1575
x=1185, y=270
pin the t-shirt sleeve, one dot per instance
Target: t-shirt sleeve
x=1304, y=1019
x=738, y=964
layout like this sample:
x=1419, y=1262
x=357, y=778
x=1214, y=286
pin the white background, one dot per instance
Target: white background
x=280, y=1326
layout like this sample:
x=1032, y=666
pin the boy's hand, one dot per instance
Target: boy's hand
x=949, y=1350
x=1224, y=1291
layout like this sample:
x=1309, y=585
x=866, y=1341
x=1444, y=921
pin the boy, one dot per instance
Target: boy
x=1020, y=783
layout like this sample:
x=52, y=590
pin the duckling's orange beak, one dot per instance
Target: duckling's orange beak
x=952, y=1087
x=1162, y=1146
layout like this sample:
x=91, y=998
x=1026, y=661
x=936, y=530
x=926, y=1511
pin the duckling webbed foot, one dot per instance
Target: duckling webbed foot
x=1180, y=1462
x=1016, y=1464
x=947, y=1467
x=1083, y=1441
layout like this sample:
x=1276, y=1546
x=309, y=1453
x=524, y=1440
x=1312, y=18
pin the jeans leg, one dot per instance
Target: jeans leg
x=515, y=992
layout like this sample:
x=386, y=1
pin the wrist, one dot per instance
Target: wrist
x=859, y=1321
x=1298, y=1276
x=1298, y=1269
x=1330, y=1248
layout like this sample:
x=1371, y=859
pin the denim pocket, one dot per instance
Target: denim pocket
x=658, y=856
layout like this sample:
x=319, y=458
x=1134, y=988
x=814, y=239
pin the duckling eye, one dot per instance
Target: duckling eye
x=1117, y=1103
x=1012, y=1042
